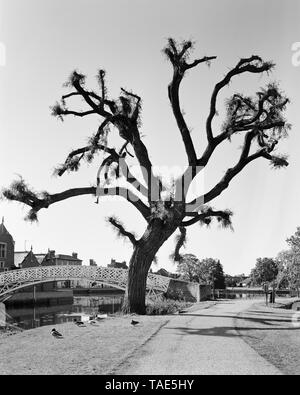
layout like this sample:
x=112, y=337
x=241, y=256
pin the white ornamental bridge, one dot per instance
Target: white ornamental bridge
x=14, y=280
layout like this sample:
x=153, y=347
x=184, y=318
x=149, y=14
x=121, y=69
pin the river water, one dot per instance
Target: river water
x=33, y=316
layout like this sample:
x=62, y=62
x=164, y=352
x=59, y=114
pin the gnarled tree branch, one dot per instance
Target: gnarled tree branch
x=206, y=215
x=177, y=55
x=244, y=160
x=121, y=230
x=254, y=64
x=19, y=191
x=180, y=242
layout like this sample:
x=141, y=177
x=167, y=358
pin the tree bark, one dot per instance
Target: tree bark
x=143, y=255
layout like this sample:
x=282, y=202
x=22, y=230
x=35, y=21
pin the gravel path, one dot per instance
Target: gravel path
x=200, y=342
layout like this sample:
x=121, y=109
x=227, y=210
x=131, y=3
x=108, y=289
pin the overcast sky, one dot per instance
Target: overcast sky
x=46, y=40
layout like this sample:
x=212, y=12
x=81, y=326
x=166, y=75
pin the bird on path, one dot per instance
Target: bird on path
x=79, y=323
x=134, y=323
x=93, y=322
x=100, y=317
x=56, y=334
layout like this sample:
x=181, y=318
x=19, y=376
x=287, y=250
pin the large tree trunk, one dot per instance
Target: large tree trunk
x=140, y=262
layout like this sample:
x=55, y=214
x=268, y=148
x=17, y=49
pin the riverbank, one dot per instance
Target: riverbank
x=97, y=291
x=273, y=332
x=49, y=298
x=98, y=349
x=59, y=296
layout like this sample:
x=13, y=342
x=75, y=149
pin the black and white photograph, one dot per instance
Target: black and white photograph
x=149, y=190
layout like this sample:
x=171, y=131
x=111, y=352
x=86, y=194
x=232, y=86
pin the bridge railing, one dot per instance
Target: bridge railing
x=117, y=277
x=111, y=275
x=157, y=282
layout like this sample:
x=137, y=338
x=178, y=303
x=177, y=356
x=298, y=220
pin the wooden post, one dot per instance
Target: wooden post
x=34, y=319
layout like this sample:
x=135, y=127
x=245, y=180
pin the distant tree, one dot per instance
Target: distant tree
x=293, y=274
x=230, y=281
x=294, y=241
x=266, y=270
x=205, y=271
x=219, y=277
x=210, y=271
x=288, y=262
x=259, y=119
x=187, y=267
x=289, y=269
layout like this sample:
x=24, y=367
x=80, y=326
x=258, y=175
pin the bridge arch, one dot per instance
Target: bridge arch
x=14, y=280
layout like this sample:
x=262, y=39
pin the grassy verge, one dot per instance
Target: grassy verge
x=285, y=303
x=272, y=333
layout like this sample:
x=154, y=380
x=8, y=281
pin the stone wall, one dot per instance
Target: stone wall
x=191, y=292
x=205, y=292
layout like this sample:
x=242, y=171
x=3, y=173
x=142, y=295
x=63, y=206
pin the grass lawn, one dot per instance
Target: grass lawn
x=270, y=331
x=88, y=350
x=98, y=349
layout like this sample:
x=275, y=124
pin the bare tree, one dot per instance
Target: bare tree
x=259, y=118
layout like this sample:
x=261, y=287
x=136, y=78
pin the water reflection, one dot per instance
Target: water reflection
x=34, y=316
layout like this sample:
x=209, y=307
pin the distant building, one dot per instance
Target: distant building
x=237, y=281
x=52, y=259
x=165, y=273
x=7, y=249
x=117, y=265
x=247, y=282
x=25, y=259
x=40, y=257
x=92, y=262
x=11, y=259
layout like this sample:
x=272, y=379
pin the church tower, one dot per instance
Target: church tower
x=7, y=249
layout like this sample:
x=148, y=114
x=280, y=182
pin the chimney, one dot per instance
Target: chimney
x=52, y=253
x=75, y=255
x=92, y=262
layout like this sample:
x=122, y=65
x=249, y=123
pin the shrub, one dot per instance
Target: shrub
x=175, y=294
x=163, y=306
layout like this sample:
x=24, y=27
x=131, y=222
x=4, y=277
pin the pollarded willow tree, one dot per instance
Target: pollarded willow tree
x=260, y=119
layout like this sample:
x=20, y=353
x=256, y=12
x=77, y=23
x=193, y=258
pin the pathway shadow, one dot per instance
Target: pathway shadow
x=222, y=331
x=245, y=317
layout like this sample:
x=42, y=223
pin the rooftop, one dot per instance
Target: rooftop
x=3, y=229
x=19, y=257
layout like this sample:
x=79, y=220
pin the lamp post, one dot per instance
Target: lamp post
x=212, y=281
x=273, y=292
x=266, y=290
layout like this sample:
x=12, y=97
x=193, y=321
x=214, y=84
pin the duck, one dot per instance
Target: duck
x=134, y=322
x=101, y=317
x=56, y=334
x=79, y=323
